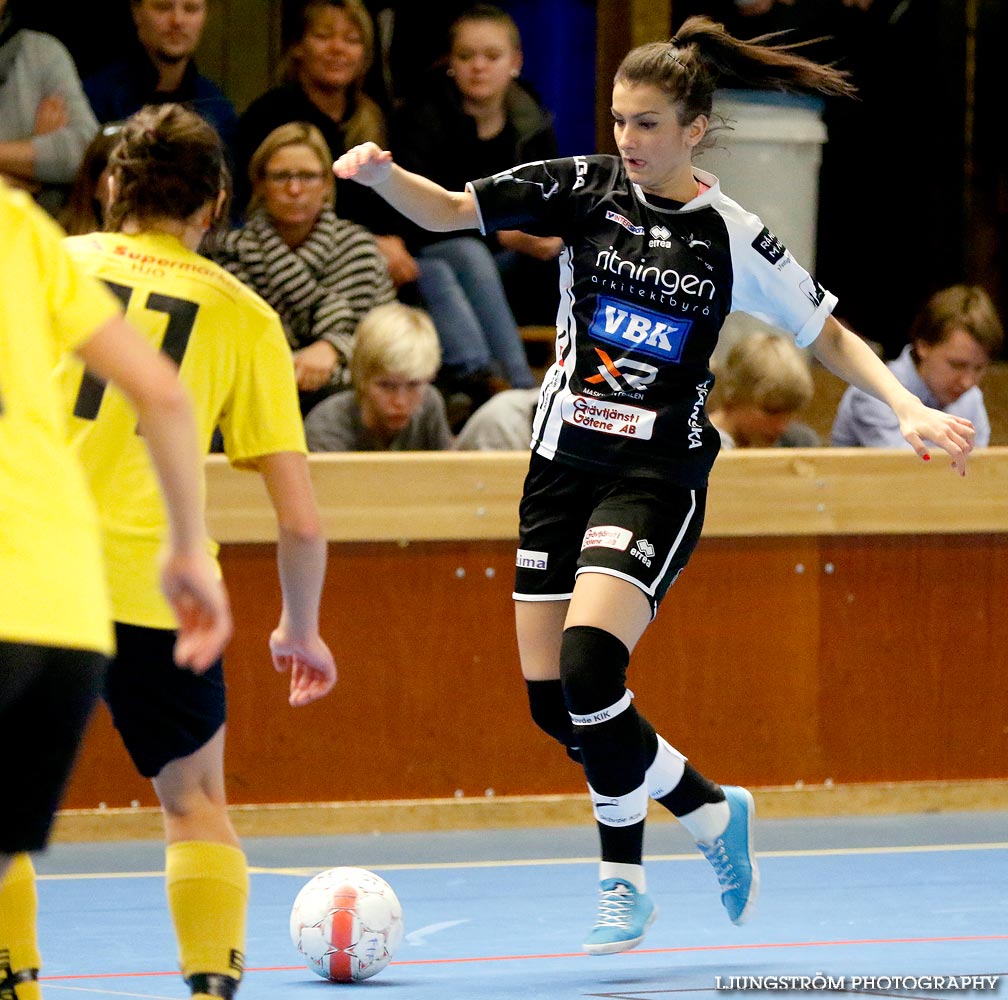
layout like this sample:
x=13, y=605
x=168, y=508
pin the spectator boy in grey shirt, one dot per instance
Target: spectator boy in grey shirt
x=392, y=406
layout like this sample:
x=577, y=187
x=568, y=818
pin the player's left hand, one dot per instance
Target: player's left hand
x=311, y=665
x=195, y=592
x=955, y=435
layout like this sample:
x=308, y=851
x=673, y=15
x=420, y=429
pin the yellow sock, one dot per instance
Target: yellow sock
x=18, y=914
x=208, y=891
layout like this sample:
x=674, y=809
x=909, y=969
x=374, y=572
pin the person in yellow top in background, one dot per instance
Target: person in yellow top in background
x=167, y=186
x=55, y=632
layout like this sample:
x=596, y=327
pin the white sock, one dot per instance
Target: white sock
x=666, y=770
x=708, y=822
x=634, y=874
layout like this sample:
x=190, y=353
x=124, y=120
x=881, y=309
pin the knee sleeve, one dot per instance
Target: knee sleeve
x=593, y=666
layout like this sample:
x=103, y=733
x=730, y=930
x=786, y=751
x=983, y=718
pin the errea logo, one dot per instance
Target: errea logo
x=660, y=237
x=644, y=551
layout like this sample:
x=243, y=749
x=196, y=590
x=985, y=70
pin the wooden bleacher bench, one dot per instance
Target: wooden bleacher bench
x=538, y=334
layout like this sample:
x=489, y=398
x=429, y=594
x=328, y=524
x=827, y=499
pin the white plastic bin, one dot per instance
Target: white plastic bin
x=769, y=162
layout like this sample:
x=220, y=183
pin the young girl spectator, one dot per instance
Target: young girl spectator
x=471, y=120
x=393, y=406
x=322, y=274
x=953, y=339
x=655, y=257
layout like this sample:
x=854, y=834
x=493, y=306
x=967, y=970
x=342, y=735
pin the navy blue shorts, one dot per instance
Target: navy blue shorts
x=46, y=697
x=162, y=713
x=575, y=521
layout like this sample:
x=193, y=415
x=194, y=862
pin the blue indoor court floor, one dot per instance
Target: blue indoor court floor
x=499, y=915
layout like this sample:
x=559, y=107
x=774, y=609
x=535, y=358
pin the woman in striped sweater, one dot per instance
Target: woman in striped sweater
x=321, y=273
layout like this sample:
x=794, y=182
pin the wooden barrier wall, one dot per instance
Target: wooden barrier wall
x=843, y=618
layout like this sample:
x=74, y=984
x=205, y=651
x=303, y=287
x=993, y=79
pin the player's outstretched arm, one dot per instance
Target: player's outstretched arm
x=165, y=418
x=295, y=644
x=418, y=198
x=846, y=355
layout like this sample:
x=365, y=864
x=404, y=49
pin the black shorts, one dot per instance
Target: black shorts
x=162, y=713
x=46, y=697
x=575, y=521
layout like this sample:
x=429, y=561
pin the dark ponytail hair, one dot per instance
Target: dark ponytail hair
x=168, y=163
x=689, y=66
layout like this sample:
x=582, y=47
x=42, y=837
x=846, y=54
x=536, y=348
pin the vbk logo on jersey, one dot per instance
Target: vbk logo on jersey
x=767, y=245
x=622, y=220
x=631, y=327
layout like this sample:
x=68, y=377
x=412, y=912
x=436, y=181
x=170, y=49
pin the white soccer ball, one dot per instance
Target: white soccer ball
x=346, y=923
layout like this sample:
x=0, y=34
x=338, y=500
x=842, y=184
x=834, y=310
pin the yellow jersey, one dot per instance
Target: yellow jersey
x=232, y=357
x=52, y=583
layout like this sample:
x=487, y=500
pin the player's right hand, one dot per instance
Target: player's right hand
x=193, y=587
x=955, y=435
x=311, y=665
x=367, y=164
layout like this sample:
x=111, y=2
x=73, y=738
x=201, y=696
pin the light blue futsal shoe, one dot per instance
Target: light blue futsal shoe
x=731, y=856
x=624, y=916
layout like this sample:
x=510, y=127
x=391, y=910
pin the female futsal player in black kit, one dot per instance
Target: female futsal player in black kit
x=655, y=258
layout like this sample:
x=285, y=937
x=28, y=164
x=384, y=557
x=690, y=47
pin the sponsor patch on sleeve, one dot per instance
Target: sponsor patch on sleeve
x=767, y=245
x=607, y=536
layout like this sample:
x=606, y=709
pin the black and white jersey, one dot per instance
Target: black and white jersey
x=645, y=286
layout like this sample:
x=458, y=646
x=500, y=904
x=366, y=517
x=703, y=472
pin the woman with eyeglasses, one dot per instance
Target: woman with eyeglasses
x=322, y=274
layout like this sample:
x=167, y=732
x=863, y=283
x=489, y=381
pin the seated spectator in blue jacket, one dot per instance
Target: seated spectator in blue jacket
x=392, y=406
x=953, y=339
x=161, y=69
x=45, y=120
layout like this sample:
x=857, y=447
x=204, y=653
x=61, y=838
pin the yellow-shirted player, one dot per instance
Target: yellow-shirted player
x=167, y=188
x=55, y=632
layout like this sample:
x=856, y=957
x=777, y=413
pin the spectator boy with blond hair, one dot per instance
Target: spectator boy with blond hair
x=393, y=406
x=763, y=382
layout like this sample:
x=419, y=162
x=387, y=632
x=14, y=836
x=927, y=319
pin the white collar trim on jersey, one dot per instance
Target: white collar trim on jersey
x=700, y=201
